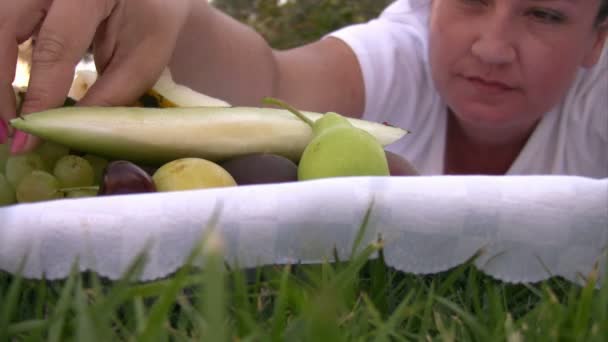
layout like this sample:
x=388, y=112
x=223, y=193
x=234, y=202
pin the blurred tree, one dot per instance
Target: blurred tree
x=292, y=23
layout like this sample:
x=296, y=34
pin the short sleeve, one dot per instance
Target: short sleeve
x=392, y=53
x=588, y=99
x=573, y=138
x=586, y=126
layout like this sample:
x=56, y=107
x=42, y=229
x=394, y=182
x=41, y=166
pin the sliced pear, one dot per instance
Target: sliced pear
x=171, y=94
x=83, y=81
x=155, y=135
x=164, y=94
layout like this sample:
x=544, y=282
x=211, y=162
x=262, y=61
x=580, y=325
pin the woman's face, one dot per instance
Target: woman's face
x=504, y=63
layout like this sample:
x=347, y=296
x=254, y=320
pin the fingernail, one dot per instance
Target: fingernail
x=19, y=141
x=3, y=131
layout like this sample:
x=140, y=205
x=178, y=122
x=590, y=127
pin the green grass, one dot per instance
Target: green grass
x=358, y=300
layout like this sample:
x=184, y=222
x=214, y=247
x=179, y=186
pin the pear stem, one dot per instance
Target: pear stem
x=279, y=103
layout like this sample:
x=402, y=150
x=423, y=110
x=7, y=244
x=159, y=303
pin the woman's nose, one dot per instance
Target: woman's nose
x=495, y=44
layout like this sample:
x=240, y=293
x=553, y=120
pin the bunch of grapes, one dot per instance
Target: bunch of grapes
x=48, y=172
x=54, y=172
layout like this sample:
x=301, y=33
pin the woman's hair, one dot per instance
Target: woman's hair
x=602, y=15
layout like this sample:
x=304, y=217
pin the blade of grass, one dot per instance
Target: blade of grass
x=10, y=302
x=244, y=312
x=379, y=282
x=471, y=321
x=388, y=330
x=156, y=288
x=279, y=320
x=496, y=314
x=41, y=297
x=362, y=231
x=512, y=334
x=398, y=290
x=457, y=274
x=85, y=328
x=159, y=311
x=472, y=292
x=329, y=271
x=582, y=318
x=185, y=319
x=600, y=308
x=214, y=291
x=119, y=291
x=538, y=293
x=374, y=315
x=427, y=314
x=350, y=273
x=29, y=327
x=192, y=314
x=322, y=316
x=446, y=333
x=139, y=311
x=416, y=290
x=550, y=316
x=59, y=315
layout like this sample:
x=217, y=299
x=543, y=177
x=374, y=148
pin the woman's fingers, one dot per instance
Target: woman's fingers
x=132, y=49
x=123, y=82
x=8, y=59
x=63, y=39
x=128, y=74
x=65, y=35
x=133, y=42
x=18, y=20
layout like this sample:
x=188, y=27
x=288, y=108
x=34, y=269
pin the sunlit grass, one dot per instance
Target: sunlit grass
x=361, y=299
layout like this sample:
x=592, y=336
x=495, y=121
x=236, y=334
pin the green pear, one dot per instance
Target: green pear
x=338, y=149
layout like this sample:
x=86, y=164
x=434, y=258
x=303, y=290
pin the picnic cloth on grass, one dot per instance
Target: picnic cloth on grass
x=522, y=228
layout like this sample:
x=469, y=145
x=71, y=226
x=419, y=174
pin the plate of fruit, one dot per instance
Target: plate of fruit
x=177, y=139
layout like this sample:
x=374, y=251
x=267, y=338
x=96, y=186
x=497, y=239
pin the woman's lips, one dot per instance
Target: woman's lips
x=488, y=86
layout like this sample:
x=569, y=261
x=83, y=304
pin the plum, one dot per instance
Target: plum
x=261, y=168
x=124, y=177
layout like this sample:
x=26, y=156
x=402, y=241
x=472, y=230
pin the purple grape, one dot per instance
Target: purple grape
x=261, y=168
x=123, y=177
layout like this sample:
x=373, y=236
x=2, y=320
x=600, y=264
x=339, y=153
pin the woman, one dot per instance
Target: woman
x=487, y=86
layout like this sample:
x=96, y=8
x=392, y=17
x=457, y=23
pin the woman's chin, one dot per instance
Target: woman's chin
x=485, y=116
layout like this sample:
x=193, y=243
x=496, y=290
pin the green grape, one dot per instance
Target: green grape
x=38, y=186
x=5, y=152
x=7, y=194
x=21, y=165
x=79, y=193
x=50, y=153
x=73, y=171
x=99, y=164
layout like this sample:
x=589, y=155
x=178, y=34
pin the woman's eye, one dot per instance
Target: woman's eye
x=474, y=2
x=547, y=16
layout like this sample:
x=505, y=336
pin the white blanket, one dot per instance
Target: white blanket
x=525, y=228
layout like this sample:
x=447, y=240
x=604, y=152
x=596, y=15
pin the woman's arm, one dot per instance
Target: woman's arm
x=218, y=56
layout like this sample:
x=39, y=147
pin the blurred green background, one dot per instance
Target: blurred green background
x=291, y=23
x=284, y=23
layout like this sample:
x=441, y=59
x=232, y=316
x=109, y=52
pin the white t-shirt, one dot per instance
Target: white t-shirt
x=392, y=51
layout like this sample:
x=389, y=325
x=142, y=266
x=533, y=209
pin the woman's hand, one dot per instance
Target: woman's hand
x=132, y=40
